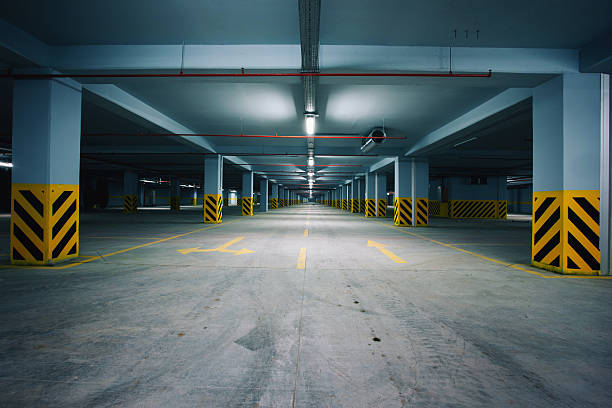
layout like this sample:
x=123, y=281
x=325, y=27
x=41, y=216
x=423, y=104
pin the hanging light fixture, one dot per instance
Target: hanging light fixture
x=310, y=123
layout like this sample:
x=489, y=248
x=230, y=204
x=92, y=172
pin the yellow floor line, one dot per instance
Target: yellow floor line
x=486, y=258
x=70, y=265
x=301, y=262
x=306, y=232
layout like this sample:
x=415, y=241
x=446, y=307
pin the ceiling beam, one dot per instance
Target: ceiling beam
x=448, y=133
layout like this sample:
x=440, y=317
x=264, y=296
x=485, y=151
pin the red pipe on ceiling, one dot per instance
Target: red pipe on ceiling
x=256, y=75
x=296, y=165
x=275, y=136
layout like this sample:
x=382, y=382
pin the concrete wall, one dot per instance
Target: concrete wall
x=520, y=199
x=459, y=188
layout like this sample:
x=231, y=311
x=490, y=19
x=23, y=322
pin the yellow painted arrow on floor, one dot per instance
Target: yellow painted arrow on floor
x=381, y=248
x=222, y=248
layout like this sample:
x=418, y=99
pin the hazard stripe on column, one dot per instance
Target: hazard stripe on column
x=402, y=211
x=213, y=209
x=274, y=203
x=130, y=203
x=370, y=210
x=546, y=232
x=422, y=212
x=581, y=248
x=434, y=207
x=502, y=209
x=247, y=206
x=382, y=207
x=44, y=223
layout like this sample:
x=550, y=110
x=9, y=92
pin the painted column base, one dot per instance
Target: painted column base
x=175, y=203
x=370, y=208
x=44, y=223
x=402, y=211
x=247, y=206
x=274, y=203
x=130, y=203
x=565, y=232
x=422, y=212
x=213, y=213
x=382, y=207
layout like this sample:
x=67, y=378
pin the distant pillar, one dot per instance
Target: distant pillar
x=175, y=194
x=247, y=194
x=213, y=187
x=274, y=197
x=130, y=189
x=411, y=199
x=263, y=201
x=381, y=195
x=370, y=195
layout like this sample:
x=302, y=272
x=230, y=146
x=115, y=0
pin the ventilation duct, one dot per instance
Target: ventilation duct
x=376, y=137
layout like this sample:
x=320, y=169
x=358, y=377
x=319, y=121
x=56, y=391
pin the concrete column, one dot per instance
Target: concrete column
x=213, y=189
x=274, y=196
x=247, y=193
x=263, y=201
x=45, y=176
x=381, y=195
x=411, y=193
x=130, y=191
x=354, y=196
x=370, y=195
x=175, y=194
x=567, y=143
x=141, y=194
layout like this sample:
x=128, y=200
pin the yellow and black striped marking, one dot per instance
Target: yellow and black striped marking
x=473, y=208
x=546, y=245
x=247, y=206
x=194, y=201
x=213, y=208
x=354, y=205
x=44, y=223
x=362, y=205
x=402, y=211
x=130, y=203
x=502, y=209
x=422, y=212
x=434, y=207
x=581, y=247
x=370, y=210
x=344, y=204
x=382, y=207
x=175, y=203
x=274, y=203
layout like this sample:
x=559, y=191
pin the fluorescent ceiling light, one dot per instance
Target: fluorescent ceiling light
x=311, y=161
x=310, y=124
x=465, y=141
x=5, y=164
x=311, y=174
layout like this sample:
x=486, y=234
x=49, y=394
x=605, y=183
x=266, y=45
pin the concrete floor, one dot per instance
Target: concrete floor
x=164, y=325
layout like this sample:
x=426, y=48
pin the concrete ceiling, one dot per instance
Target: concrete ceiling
x=520, y=23
x=410, y=108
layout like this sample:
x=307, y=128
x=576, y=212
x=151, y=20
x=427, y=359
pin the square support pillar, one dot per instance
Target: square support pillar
x=567, y=141
x=263, y=201
x=381, y=195
x=370, y=195
x=274, y=197
x=45, y=177
x=354, y=196
x=130, y=191
x=175, y=194
x=411, y=193
x=247, y=194
x=213, y=190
